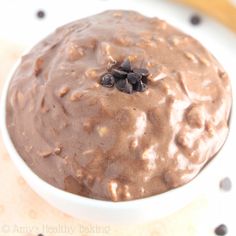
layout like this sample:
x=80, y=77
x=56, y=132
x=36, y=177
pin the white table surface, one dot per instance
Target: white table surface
x=18, y=23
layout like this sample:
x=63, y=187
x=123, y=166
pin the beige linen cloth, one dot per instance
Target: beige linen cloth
x=24, y=213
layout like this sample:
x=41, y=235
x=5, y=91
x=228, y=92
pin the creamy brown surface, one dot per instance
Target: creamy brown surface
x=102, y=143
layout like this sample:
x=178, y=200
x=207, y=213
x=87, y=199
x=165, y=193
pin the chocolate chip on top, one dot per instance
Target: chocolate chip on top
x=107, y=80
x=125, y=78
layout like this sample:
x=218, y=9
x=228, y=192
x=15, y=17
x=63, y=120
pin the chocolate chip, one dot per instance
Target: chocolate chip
x=133, y=78
x=221, y=230
x=126, y=65
x=107, y=80
x=40, y=234
x=195, y=19
x=125, y=79
x=144, y=72
x=124, y=86
x=40, y=14
x=140, y=86
x=226, y=184
x=120, y=84
x=119, y=74
x=144, y=80
x=129, y=88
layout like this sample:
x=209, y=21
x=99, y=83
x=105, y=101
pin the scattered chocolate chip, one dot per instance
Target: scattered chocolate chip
x=195, y=19
x=144, y=72
x=226, y=184
x=107, y=80
x=126, y=65
x=140, y=86
x=124, y=86
x=40, y=14
x=119, y=74
x=221, y=230
x=40, y=235
x=133, y=78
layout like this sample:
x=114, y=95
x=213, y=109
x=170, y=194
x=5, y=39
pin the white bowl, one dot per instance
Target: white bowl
x=129, y=212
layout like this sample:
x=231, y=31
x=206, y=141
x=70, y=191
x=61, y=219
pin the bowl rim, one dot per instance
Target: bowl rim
x=21, y=165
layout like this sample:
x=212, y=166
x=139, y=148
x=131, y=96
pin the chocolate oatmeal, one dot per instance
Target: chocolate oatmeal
x=118, y=106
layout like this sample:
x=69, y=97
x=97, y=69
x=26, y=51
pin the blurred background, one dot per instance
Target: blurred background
x=24, y=23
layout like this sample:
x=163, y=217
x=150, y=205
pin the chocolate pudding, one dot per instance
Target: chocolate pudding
x=118, y=106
